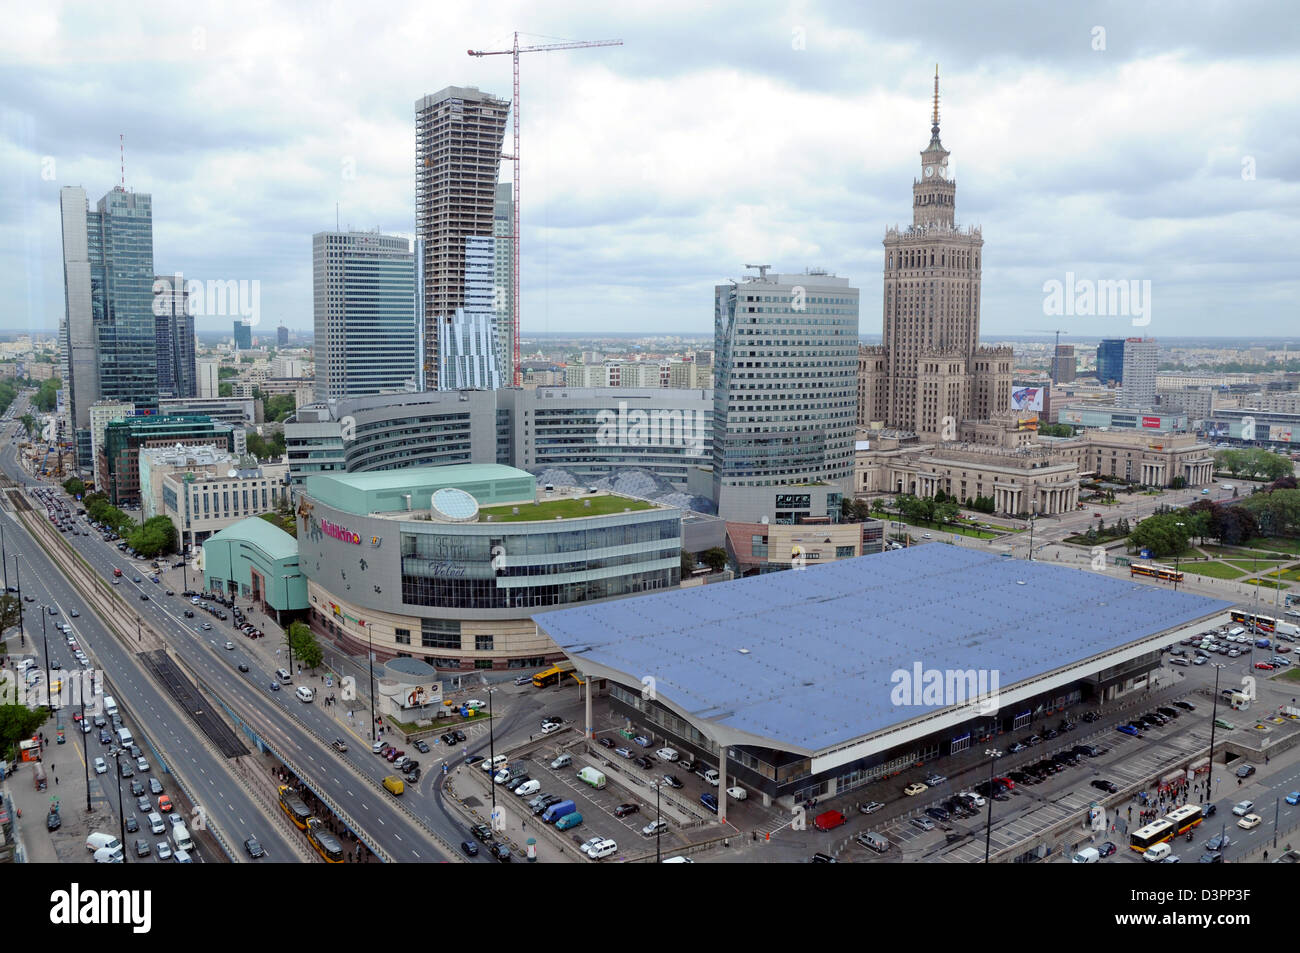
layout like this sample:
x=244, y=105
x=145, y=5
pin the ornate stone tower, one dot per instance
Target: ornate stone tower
x=931, y=303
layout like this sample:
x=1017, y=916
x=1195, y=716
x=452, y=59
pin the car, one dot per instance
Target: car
x=481, y=833
x=1245, y=771
x=469, y=848
x=230, y=646
x=672, y=781
x=913, y=789
x=686, y=764
x=924, y=823
x=623, y=753
x=100, y=766
x=275, y=686
x=1200, y=660
x=1129, y=730
x=657, y=826
x=162, y=850
x=448, y=740
x=938, y=813
x=709, y=800
x=1265, y=666
x=141, y=765
x=1242, y=808
x=137, y=787
x=523, y=679
x=591, y=842
x=339, y=745
x=529, y=787
x=926, y=536
x=1107, y=848
x=74, y=613
x=1110, y=787
x=144, y=597
x=164, y=804
x=136, y=579
x=131, y=825
x=607, y=742
x=189, y=613
x=1033, y=740
x=1250, y=821
x=413, y=767
x=1218, y=842
x=105, y=736
x=170, y=592
x=550, y=727
x=972, y=797
x=1293, y=797
x=155, y=786
x=1016, y=747
x=254, y=848
x=141, y=847
x=474, y=704
x=935, y=780
x=53, y=610
x=540, y=804
x=422, y=746
x=643, y=762
x=623, y=810
x=473, y=760
x=1211, y=859
x=1051, y=733
x=243, y=666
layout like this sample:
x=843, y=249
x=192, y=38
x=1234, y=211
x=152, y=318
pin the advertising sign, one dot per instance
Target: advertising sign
x=1027, y=398
x=1150, y=421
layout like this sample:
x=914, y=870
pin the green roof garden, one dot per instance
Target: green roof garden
x=571, y=508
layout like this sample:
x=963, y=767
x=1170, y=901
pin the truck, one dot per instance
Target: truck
x=181, y=837
x=828, y=820
x=590, y=775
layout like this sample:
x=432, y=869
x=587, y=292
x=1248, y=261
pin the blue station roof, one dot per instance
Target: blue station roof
x=823, y=643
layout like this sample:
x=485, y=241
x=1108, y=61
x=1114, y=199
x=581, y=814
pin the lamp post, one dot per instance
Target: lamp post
x=1214, y=718
x=4, y=562
x=45, y=647
x=492, y=756
x=659, y=824
x=993, y=755
x=22, y=638
x=1033, y=511
x=1176, y=558
x=370, y=655
x=121, y=816
x=85, y=759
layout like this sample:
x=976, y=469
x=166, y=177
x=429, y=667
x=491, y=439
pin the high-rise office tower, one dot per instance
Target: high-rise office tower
x=1110, y=360
x=935, y=373
x=364, y=308
x=1063, y=364
x=281, y=336
x=174, y=337
x=209, y=379
x=503, y=228
x=108, y=327
x=785, y=397
x=243, y=335
x=467, y=340
x=458, y=136
x=1138, y=390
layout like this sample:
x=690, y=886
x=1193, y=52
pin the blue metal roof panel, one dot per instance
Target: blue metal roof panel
x=823, y=643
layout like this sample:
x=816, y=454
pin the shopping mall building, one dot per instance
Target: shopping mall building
x=449, y=564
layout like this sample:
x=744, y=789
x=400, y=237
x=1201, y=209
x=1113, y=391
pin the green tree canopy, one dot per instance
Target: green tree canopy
x=47, y=395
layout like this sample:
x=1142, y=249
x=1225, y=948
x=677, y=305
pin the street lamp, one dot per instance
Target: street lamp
x=1176, y=558
x=374, y=725
x=116, y=755
x=4, y=562
x=45, y=647
x=1033, y=511
x=492, y=755
x=22, y=638
x=1214, y=719
x=85, y=759
x=659, y=824
x=993, y=755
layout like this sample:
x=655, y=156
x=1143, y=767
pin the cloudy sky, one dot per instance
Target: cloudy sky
x=1151, y=142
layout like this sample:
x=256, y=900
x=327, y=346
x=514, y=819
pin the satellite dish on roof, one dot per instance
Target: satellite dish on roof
x=232, y=473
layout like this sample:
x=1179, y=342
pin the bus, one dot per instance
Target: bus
x=1184, y=818
x=552, y=675
x=325, y=843
x=1163, y=573
x=1260, y=623
x=1157, y=832
x=293, y=806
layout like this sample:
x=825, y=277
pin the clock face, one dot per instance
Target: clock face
x=929, y=171
x=943, y=171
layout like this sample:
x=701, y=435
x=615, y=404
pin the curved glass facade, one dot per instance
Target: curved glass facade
x=503, y=570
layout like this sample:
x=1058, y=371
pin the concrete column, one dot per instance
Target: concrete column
x=587, y=708
x=722, y=784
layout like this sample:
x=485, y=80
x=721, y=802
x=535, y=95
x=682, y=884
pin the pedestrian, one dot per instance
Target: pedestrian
x=56, y=779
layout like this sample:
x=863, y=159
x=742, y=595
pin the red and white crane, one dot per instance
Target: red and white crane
x=514, y=105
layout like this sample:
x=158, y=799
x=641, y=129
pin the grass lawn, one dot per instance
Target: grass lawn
x=1210, y=549
x=1292, y=574
x=1216, y=570
x=1267, y=584
x=567, y=508
x=1290, y=674
x=944, y=527
x=1254, y=565
x=1277, y=545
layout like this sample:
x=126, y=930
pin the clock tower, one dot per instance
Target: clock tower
x=934, y=193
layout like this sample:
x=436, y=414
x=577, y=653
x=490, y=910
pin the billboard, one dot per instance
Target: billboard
x=1216, y=429
x=1150, y=421
x=1027, y=398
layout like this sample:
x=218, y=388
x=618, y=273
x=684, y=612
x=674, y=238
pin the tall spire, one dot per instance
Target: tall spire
x=934, y=128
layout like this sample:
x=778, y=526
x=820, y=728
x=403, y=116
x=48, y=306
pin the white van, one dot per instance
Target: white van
x=110, y=706
x=283, y=676
x=304, y=693
x=666, y=754
x=108, y=855
x=124, y=737
x=156, y=824
x=24, y=664
x=1157, y=852
x=1089, y=855
x=1238, y=630
x=97, y=840
x=181, y=837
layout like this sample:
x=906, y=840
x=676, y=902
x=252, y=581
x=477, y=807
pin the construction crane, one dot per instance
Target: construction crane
x=514, y=52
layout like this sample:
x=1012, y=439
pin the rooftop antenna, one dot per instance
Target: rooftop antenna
x=121, y=145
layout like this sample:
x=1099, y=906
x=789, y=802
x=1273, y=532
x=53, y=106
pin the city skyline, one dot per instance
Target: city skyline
x=630, y=229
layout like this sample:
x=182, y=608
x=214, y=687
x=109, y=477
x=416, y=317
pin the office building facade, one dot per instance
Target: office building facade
x=503, y=230
x=1110, y=361
x=468, y=345
x=243, y=332
x=459, y=133
x=1064, y=366
x=1141, y=358
x=364, y=308
x=174, y=338
x=785, y=402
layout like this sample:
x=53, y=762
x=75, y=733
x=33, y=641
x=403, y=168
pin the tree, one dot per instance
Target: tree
x=10, y=612
x=74, y=486
x=264, y=449
x=29, y=424
x=688, y=563
x=225, y=389
x=302, y=641
x=156, y=536
x=715, y=558
x=282, y=521
x=279, y=407
x=1178, y=483
x=47, y=395
x=1161, y=534
x=18, y=723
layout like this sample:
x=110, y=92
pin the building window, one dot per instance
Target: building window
x=483, y=643
x=483, y=663
x=440, y=633
x=403, y=636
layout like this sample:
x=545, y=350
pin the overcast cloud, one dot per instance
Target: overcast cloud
x=779, y=133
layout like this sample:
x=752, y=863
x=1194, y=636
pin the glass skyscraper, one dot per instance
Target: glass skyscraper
x=365, y=320
x=120, y=243
x=467, y=340
x=1110, y=360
